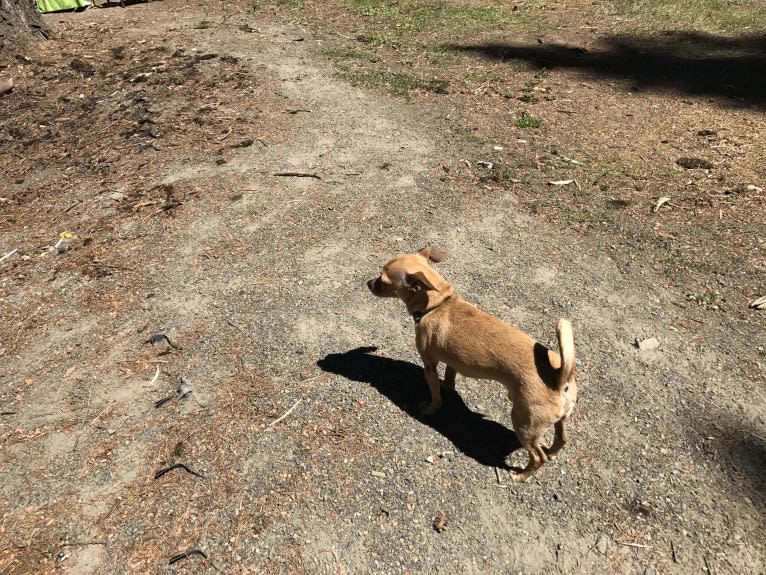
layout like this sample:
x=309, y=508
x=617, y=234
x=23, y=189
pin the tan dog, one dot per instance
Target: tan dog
x=448, y=329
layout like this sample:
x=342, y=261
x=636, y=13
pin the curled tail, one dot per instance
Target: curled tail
x=566, y=345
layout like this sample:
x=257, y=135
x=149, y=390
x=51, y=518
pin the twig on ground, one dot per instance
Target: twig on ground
x=169, y=468
x=298, y=175
x=82, y=543
x=161, y=337
x=77, y=203
x=285, y=414
x=105, y=410
x=163, y=401
x=186, y=555
x=639, y=545
x=9, y=254
x=156, y=375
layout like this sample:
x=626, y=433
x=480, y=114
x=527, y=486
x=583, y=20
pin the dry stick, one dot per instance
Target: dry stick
x=82, y=424
x=156, y=375
x=82, y=543
x=9, y=254
x=186, y=555
x=707, y=565
x=639, y=545
x=107, y=408
x=285, y=414
x=297, y=175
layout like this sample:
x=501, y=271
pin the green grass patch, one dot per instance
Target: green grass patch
x=583, y=215
x=736, y=17
x=395, y=82
x=420, y=24
x=466, y=133
x=370, y=8
x=294, y=5
x=526, y=120
x=342, y=54
x=709, y=299
x=203, y=25
x=444, y=54
x=675, y=261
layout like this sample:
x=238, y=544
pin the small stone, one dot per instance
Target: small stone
x=379, y=474
x=648, y=344
x=6, y=85
x=602, y=543
x=649, y=571
x=430, y=459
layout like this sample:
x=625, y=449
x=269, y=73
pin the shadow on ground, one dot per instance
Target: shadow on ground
x=742, y=452
x=402, y=382
x=690, y=63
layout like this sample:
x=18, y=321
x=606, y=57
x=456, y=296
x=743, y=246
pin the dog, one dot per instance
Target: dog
x=540, y=383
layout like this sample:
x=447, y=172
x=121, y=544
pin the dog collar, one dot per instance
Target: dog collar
x=418, y=315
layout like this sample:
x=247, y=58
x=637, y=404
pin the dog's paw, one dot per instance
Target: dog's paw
x=429, y=407
x=552, y=456
x=519, y=477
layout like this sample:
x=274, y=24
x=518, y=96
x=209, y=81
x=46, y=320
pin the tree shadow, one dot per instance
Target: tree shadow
x=402, y=382
x=116, y=3
x=741, y=451
x=749, y=456
x=690, y=63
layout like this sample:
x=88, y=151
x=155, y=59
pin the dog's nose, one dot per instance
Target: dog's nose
x=370, y=284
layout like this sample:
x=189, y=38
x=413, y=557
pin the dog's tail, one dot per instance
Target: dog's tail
x=566, y=345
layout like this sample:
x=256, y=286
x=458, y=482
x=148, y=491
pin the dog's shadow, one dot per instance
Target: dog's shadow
x=484, y=440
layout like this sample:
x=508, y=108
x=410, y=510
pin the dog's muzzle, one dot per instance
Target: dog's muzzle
x=372, y=284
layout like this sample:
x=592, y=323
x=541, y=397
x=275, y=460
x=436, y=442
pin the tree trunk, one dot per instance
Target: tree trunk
x=20, y=27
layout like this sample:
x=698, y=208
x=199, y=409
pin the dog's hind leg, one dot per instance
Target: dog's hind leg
x=559, y=440
x=449, y=377
x=528, y=433
x=537, y=457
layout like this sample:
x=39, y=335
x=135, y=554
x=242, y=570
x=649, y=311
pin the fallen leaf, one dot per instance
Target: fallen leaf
x=661, y=202
x=440, y=521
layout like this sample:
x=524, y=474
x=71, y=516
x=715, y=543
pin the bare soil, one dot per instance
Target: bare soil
x=192, y=192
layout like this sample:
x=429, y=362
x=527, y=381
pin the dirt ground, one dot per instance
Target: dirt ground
x=195, y=193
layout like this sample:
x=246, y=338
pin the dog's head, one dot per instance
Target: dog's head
x=408, y=276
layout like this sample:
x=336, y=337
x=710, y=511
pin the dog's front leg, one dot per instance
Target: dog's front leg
x=432, y=377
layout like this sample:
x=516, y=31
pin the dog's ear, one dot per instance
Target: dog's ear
x=418, y=282
x=434, y=254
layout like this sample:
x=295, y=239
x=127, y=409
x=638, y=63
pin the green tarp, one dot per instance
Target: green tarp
x=56, y=5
